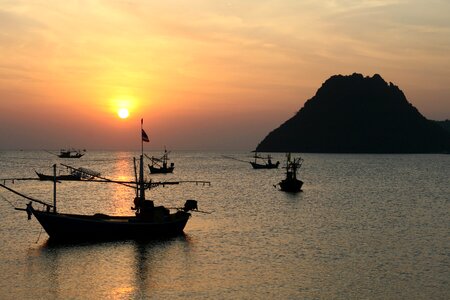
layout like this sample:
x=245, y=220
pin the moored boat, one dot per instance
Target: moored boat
x=75, y=174
x=150, y=222
x=291, y=183
x=160, y=165
x=266, y=162
x=58, y=177
x=71, y=153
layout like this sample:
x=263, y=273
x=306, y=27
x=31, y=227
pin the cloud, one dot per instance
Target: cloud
x=219, y=55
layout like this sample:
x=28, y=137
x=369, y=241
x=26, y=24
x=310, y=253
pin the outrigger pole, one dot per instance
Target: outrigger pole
x=24, y=196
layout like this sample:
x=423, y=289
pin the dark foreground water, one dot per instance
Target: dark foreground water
x=364, y=227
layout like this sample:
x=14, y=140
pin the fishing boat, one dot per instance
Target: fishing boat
x=291, y=183
x=160, y=165
x=259, y=162
x=74, y=174
x=58, y=177
x=149, y=221
x=71, y=153
x=265, y=164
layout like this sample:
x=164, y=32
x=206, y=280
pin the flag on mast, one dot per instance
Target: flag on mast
x=143, y=134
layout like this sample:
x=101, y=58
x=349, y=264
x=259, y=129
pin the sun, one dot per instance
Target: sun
x=123, y=113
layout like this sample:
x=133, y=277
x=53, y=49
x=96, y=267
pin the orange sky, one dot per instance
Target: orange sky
x=203, y=74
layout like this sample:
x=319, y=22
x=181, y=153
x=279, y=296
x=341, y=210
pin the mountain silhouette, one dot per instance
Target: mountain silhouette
x=444, y=124
x=357, y=114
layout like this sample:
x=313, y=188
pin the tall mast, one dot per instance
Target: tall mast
x=141, y=168
x=136, y=179
x=54, y=188
x=141, y=179
x=142, y=140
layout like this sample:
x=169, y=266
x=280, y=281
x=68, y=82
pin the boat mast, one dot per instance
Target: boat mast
x=141, y=167
x=54, y=188
x=136, y=177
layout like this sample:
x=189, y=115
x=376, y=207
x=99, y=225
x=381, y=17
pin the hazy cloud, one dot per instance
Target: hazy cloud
x=265, y=56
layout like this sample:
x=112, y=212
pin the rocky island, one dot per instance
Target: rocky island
x=357, y=114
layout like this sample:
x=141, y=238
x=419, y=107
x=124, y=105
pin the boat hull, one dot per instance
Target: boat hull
x=162, y=170
x=265, y=166
x=291, y=186
x=58, y=177
x=102, y=227
x=78, y=155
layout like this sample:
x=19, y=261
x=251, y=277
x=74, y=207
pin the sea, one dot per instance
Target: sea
x=364, y=227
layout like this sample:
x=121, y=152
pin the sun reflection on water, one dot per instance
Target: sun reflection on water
x=355, y=231
x=113, y=270
x=122, y=196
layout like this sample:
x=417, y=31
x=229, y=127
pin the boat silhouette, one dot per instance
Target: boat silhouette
x=291, y=183
x=265, y=164
x=259, y=161
x=160, y=165
x=71, y=153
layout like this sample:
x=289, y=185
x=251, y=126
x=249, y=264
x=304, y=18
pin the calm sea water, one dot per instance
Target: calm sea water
x=364, y=227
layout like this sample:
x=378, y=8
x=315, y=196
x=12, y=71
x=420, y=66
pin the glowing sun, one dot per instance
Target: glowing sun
x=123, y=113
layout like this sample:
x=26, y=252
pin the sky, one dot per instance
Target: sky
x=204, y=75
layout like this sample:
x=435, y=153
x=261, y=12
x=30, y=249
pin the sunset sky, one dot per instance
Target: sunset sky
x=204, y=75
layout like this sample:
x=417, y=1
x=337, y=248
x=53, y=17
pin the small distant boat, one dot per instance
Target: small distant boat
x=71, y=153
x=159, y=165
x=75, y=174
x=58, y=177
x=265, y=164
x=291, y=183
x=259, y=162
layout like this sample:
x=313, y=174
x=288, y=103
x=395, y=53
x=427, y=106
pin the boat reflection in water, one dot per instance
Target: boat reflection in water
x=112, y=269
